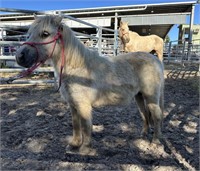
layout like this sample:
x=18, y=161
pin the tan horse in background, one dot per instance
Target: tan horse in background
x=133, y=42
x=90, y=80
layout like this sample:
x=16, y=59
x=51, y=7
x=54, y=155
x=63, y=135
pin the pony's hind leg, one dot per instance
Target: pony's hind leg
x=156, y=114
x=160, y=55
x=76, y=140
x=144, y=112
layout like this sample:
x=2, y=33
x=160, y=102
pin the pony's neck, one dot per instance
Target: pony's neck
x=76, y=54
x=133, y=33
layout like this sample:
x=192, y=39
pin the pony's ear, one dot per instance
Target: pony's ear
x=58, y=19
x=121, y=22
x=35, y=16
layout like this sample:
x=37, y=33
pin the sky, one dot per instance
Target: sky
x=43, y=5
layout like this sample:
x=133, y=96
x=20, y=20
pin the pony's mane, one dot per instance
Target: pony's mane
x=76, y=52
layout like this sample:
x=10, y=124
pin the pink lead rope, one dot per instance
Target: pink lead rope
x=37, y=64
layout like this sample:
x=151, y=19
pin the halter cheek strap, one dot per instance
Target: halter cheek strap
x=62, y=60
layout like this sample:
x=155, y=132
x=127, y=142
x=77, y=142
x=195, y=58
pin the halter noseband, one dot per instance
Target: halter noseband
x=34, y=44
x=124, y=39
x=125, y=33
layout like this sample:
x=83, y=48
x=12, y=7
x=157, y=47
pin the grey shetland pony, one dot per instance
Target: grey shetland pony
x=90, y=80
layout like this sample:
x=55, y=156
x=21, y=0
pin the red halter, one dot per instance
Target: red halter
x=34, y=45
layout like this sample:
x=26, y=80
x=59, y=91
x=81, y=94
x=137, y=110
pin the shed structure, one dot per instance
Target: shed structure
x=145, y=19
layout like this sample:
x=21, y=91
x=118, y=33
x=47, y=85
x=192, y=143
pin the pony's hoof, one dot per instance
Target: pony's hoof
x=143, y=135
x=74, y=143
x=71, y=149
x=156, y=141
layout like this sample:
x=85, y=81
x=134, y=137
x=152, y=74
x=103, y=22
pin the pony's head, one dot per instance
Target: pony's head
x=43, y=38
x=124, y=32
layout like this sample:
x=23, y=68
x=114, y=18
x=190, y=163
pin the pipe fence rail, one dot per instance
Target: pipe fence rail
x=182, y=52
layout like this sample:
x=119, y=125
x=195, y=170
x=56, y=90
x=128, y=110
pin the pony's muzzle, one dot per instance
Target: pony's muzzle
x=20, y=57
x=25, y=58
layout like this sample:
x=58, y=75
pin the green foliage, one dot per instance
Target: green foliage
x=167, y=39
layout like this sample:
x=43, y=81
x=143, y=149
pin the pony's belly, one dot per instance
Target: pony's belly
x=112, y=98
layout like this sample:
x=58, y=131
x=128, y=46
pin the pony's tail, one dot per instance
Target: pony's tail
x=161, y=104
x=162, y=101
x=162, y=91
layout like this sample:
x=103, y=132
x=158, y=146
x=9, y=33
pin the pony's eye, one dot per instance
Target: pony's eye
x=27, y=36
x=45, y=34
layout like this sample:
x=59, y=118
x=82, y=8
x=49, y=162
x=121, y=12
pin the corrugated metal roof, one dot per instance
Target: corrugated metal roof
x=156, y=23
x=155, y=19
x=172, y=7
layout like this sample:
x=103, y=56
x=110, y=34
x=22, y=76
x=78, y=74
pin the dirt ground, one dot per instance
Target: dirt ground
x=35, y=123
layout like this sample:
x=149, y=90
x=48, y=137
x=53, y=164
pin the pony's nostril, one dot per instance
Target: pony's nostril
x=21, y=57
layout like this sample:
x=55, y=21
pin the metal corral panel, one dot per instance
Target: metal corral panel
x=155, y=19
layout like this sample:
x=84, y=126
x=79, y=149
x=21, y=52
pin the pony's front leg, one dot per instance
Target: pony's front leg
x=76, y=140
x=85, y=111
